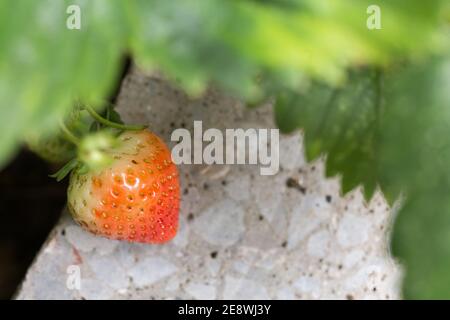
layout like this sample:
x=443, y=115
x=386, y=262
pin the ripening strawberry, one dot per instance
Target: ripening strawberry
x=136, y=198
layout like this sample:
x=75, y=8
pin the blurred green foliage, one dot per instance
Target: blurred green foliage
x=415, y=158
x=375, y=101
x=44, y=65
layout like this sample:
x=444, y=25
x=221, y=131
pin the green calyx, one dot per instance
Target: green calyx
x=98, y=139
x=94, y=150
x=108, y=123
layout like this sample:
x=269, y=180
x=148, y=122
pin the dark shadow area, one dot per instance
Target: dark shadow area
x=30, y=205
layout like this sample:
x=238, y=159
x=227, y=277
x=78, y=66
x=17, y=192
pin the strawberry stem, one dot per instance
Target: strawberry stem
x=111, y=124
x=68, y=134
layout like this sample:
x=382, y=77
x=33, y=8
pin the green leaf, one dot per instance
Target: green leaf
x=43, y=65
x=341, y=123
x=65, y=170
x=231, y=42
x=415, y=148
x=112, y=115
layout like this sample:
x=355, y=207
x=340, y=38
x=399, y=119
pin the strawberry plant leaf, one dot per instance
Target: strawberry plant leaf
x=415, y=151
x=65, y=170
x=44, y=65
x=113, y=115
x=231, y=42
x=341, y=123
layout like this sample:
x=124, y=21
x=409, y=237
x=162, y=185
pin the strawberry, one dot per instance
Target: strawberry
x=135, y=198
